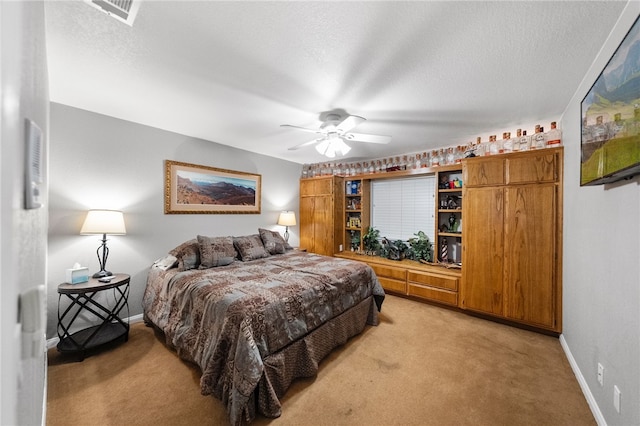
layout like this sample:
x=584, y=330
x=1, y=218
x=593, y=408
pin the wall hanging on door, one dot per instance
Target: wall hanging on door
x=195, y=189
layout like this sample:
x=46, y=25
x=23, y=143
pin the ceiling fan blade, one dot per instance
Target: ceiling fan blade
x=349, y=123
x=361, y=137
x=302, y=145
x=305, y=129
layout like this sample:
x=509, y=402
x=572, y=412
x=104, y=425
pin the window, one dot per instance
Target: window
x=402, y=207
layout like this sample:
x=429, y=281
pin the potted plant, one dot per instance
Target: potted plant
x=371, y=241
x=421, y=248
x=394, y=250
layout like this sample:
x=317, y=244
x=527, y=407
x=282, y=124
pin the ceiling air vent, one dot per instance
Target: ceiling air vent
x=122, y=10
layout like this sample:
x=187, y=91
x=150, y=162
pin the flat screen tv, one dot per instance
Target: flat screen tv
x=610, y=144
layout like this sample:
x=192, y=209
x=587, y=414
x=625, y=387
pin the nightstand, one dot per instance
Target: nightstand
x=92, y=299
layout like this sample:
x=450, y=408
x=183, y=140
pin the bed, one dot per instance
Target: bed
x=255, y=314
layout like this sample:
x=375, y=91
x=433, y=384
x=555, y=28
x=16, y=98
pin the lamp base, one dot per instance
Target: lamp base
x=102, y=274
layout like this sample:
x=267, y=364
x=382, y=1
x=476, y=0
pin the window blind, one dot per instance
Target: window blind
x=402, y=207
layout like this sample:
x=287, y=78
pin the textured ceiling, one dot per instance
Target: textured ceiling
x=429, y=74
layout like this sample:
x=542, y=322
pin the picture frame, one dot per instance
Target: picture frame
x=197, y=189
x=610, y=113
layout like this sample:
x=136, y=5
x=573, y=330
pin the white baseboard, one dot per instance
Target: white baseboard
x=53, y=342
x=595, y=410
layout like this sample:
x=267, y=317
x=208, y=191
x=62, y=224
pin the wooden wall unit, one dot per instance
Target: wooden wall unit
x=512, y=248
x=512, y=245
x=448, y=206
x=415, y=279
x=357, y=210
x=321, y=207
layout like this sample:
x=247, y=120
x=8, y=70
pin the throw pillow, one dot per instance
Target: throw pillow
x=273, y=241
x=188, y=255
x=216, y=251
x=250, y=247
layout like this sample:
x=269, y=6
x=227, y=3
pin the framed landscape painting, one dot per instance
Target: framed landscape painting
x=610, y=144
x=195, y=189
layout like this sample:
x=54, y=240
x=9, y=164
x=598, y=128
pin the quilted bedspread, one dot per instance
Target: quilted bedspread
x=228, y=319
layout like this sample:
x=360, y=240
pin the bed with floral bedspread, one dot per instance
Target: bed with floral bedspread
x=255, y=319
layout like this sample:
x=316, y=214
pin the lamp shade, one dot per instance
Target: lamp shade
x=103, y=222
x=287, y=218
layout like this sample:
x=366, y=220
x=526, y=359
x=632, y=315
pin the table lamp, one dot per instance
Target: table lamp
x=103, y=222
x=287, y=219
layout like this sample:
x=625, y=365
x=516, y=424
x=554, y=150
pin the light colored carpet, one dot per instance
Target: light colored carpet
x=423, y=365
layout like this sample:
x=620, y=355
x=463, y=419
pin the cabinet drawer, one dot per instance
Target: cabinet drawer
x=390, y=272
x=434, y=294
x=433, y=280
x=483, y=172
x=393, y=285
x=532, y=168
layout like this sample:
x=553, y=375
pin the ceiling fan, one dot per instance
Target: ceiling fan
x=334, y=131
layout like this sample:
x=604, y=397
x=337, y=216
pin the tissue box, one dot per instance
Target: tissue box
x=77, y=275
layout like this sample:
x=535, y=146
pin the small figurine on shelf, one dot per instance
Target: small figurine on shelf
x=444, y=182
x=452, y=222
x=452, y=202
x=444, y=251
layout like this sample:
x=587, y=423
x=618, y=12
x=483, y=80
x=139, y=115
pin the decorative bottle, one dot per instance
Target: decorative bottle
x=426, y=160
x=554, y=136
x=524, y=142
x=537, y=140
x=515, y=142
x=493, y=145
x=507, y=143
x=435, y=159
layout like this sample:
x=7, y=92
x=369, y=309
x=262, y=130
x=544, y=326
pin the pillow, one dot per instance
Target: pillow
x=273, y=241
x=216, y=251
x=250, y=247
x=188, y=255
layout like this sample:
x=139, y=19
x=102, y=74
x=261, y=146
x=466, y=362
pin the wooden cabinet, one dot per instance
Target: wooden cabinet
x=414, y=279
x=356, y=213
x=512, y=244
x=437, y=287
x=321, y=214
x=448, y=234
x=392, y=278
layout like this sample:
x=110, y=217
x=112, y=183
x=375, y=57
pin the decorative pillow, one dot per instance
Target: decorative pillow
x=216, y=251
x=273, y=241
x=250, y=247
x=188, y=255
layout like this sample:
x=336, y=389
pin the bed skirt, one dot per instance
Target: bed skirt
x=301, y=358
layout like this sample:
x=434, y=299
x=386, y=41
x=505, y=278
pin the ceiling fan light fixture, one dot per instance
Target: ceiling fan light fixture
x=332, y=147
x=340, y=147
x=322, y=147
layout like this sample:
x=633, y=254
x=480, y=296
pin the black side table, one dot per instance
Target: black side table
x=83, y=299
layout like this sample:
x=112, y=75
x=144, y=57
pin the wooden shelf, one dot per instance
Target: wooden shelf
x=450, y=234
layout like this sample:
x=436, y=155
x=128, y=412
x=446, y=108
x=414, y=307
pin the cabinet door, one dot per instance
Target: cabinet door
x=483, y=172
x=323, y=226
x=307, y=218
x=532, y=168
x=530, y=251
x=482, y=250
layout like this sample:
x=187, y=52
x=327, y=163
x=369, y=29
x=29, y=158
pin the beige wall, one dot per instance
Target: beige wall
x=602, y=266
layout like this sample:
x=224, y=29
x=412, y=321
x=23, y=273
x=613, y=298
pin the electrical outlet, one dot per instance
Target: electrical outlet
x=616, y=398
x=601, y=374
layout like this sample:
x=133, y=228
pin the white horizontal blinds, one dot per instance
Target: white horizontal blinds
x=402, y=207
